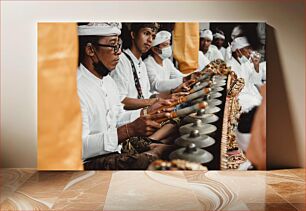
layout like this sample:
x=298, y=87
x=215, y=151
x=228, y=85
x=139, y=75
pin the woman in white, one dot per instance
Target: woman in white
x=163, y=75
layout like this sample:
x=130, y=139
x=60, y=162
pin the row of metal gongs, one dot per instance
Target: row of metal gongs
x=198, y=128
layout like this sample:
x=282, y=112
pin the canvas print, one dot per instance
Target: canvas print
x=159, y=96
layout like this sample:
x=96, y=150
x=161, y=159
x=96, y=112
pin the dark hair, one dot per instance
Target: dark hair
x=135, y=27
x=83, y=41
x=127, y=28
x=125, y=35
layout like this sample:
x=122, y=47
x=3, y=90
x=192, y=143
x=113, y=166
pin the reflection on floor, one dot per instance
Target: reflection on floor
x=27, y=189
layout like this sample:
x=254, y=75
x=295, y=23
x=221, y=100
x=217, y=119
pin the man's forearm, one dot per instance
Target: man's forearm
x=124, y=132
x=133, y=104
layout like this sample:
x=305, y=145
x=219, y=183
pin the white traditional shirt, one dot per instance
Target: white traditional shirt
x=223, y=52
x=102, y=113
x=227, y=54
x=213, y=53
x=262, y=72
x=249, y=96
x=124, y=78
x=163, y=78
x=203, y=61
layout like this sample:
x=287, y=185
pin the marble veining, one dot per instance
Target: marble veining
x=80, y=178
x=150, y=191
x=85, y=191
x=12, y=179
x=28, y=189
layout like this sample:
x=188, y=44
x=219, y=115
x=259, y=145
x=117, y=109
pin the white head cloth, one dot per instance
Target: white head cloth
x=161, y=37
x=239, y=42
x=219, y=36
x=100, y=29
x=207, y=34
x=236, y=32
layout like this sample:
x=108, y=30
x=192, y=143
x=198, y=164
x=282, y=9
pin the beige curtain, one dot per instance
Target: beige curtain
x=186, y=46
x=59, y=114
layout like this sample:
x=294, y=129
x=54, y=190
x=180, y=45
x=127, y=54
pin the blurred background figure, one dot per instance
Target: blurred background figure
x=210, y=51
x=218, y=41
x=249, y=98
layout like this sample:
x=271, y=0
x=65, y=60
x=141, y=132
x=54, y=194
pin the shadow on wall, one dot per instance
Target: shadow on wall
x=281, y=141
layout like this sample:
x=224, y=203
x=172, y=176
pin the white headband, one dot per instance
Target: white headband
x=206, y=34
x=239, y=42
x=161, y=37
x=236, y=32
x=219, y=36
x=100, y=29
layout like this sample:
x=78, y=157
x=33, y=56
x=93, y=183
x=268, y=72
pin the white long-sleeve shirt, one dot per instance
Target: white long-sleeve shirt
x=223, y=52
x=203, y=61
x=163, y=78
x=263, y=70
x=227, y=54
x=249, y=96
x=261, y=76
x=213, y=53
x=124, y=78
x=102, y=113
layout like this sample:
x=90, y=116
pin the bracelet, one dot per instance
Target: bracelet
x=145, y=111
x=127, y=130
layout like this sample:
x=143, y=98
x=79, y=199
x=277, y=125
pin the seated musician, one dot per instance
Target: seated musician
x=249, y=98
x=131, y=74
x=105, y=125
x=210, y=51
x=163, y=75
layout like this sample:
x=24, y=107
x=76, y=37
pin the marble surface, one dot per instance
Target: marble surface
x=28, y=189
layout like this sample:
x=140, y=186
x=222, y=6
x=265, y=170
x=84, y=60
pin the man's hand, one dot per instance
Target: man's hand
x=193, y=75
x=161, y=105
x=256, y=61
x=184, y=87
x=196, y=75
x=146, y=125
x=175, y=96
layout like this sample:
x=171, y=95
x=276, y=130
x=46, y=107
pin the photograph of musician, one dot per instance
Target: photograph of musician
x=140, y=112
